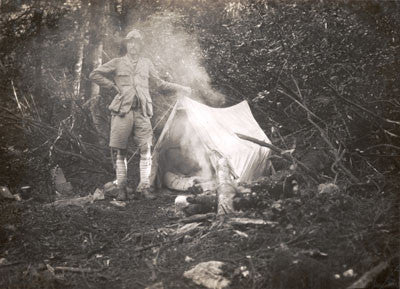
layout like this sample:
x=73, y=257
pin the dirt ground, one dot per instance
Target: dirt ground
x=312, y=241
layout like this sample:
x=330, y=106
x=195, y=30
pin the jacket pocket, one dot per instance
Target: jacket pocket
x=115, y=105
x=123, y=79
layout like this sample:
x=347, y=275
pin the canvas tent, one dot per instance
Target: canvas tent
x=194, y=132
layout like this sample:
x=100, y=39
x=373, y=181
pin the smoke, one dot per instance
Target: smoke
x=191, y=157
x=192, y=146
x=178, y=56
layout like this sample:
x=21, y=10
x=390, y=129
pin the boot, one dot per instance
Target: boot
x=131, y=194
x=122, y=196
x=148, y=195
x=144, y=192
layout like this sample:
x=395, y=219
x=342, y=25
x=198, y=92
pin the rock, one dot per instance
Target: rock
x=180, y=204
x=188, y=259
x=60, y=182
x=5, y=193
x=328, y=188
x=98, y=195
x=208, y=274
x=349, y=273
x=57, y=175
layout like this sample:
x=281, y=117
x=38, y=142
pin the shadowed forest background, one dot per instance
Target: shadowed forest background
x=336, y=61
x=322, y=79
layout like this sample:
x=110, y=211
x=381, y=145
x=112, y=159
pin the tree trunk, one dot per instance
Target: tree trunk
x=76, y=85
x=37, y=58
x=84, y=24
x=98, y=12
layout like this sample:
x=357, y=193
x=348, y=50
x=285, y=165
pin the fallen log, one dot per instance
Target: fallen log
x=368, y=277
x=282, y=153
x=80, y=201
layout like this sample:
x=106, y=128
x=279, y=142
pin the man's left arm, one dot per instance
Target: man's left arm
x=165, y=84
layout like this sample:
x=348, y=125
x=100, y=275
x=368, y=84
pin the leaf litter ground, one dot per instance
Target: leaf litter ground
x=316, y=238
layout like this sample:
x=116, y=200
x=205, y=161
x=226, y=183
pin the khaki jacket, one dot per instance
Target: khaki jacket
x=132, y=79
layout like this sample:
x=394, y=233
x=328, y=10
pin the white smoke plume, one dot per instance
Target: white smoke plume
x=178, y=56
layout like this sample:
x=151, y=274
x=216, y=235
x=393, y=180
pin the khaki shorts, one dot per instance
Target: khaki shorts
x=133, y=122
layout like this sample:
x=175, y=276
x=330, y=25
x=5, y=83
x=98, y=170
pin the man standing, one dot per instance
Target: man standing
x=131, y=108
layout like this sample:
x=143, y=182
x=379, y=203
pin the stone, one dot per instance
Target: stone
x=208, y=274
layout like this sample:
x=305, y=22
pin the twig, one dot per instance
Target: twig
x=71, y=154
x=337, y=155
x=336, y=152
x=290, y=95
x=35, y=106
x=16, y=99
x=76, y=270
x=381, y=145
x=361, y=107
x=144, y=248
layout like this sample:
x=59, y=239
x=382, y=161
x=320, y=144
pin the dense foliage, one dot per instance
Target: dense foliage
x=318, y=74
x=322, y=79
